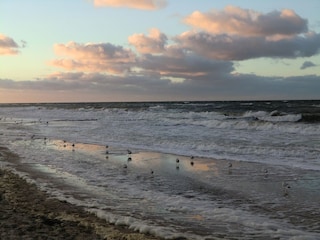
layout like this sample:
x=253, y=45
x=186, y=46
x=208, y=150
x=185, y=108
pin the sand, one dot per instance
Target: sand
x=28, y=213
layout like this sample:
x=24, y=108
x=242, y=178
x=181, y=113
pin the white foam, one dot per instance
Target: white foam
x=120, y=196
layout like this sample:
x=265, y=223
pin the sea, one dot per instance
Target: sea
x=177, y=170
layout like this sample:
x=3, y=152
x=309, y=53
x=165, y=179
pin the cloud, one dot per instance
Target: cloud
x=169, y=61
x=195, y=65
x=244, y=22
x=240, y=34
x=137, y=4
x=307, y=64
x=185, y=66
x=93, y=57
x=96, y=86
x=154, y=43
x=235, y=47
x=8, y=46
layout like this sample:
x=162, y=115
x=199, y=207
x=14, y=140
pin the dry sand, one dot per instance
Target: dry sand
x=28, y=213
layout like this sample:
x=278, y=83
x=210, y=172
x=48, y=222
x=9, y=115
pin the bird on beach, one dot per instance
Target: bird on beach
x=129, y=159
x=266, y=173
x=285, y=188
x=177, y=163
x=129, y=152
x=192, y=163
x=230, y=168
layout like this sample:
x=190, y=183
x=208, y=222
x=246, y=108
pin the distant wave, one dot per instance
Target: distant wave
x=274, y=116
x=310, y=118
x=75, y=120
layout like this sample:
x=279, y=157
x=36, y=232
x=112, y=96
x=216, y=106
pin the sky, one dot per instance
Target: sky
x=158, y=50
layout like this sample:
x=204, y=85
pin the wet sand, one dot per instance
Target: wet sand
x=28, y=213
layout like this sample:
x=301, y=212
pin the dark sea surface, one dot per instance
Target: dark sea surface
x=270, y=145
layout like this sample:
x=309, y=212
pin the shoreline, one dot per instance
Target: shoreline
x=29, y=213
x=246, y=184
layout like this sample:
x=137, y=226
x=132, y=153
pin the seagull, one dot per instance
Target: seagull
x=177, y=163
x=230, y=168
x=266, y=173
x=285, y=188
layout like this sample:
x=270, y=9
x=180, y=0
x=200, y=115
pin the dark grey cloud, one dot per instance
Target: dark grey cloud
x=234, y=47
x=228, y=87
x=188, y=66
x=307, y=64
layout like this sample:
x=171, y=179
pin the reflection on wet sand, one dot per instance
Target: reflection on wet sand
x=195, y=193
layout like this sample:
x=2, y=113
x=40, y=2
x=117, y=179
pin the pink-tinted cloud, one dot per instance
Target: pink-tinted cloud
x=245, y=22
x=239, y=34
x=153, y=43
x=93, y=57
x=167, y=61
x=137, y=4
x=8, y=46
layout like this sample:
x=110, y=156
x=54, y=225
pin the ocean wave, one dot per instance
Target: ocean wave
x=310, y=118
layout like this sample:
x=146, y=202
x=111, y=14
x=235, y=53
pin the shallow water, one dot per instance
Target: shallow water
x=201, y=201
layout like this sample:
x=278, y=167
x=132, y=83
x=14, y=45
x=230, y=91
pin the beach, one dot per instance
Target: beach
x=196, y=171
x=244, y=198
x=29, y=213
